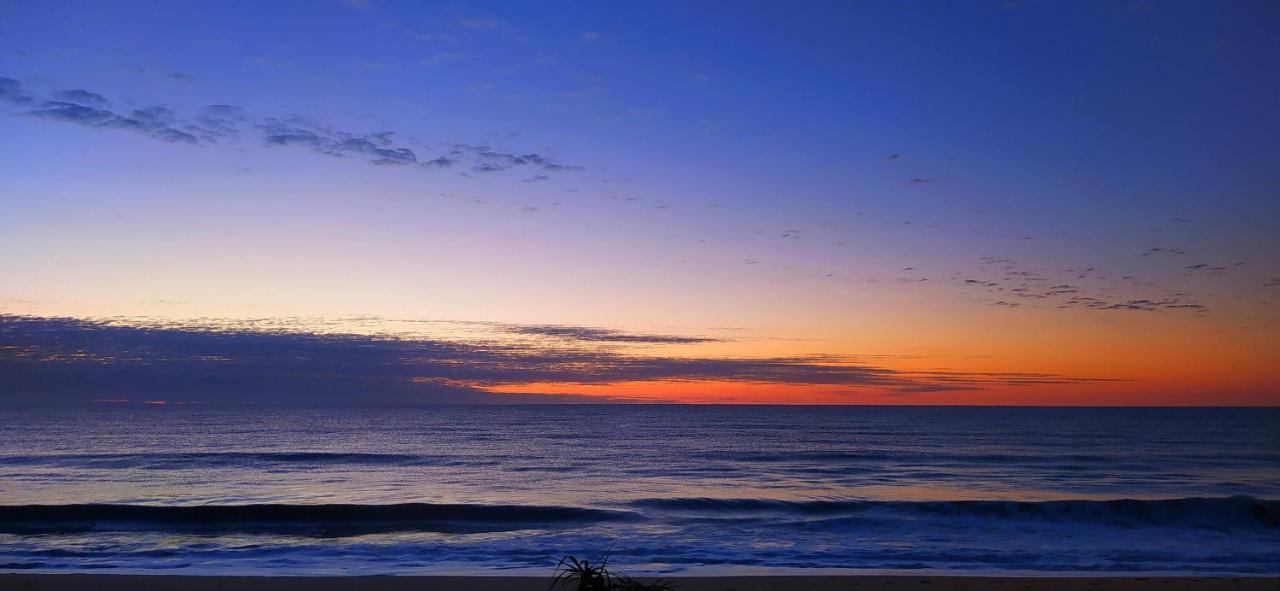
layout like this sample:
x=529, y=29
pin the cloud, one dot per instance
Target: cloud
x=66, y=360
x=589, y=334
x=489, y=160
x=376, y=147
x=155, y=121
x=1144, y=305
x=83, y=97
x=73, y=113
x=219, y=123
x=590, y=36
x=11, y=92
x=1088, y=288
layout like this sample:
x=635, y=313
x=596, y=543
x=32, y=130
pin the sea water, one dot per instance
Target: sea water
x=661, y=489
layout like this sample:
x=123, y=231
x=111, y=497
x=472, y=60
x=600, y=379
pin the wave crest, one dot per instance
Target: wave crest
x=1195, y=511
x=334, y=520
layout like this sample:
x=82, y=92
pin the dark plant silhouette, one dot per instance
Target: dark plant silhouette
x=587, y=576
x=584, y=575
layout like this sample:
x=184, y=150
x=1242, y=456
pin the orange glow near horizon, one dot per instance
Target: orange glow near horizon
x=1136, y=360
x=725, y=392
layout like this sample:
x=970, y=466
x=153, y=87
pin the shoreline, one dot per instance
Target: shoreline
x=929, y=582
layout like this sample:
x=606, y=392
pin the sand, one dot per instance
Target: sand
x=44, y=582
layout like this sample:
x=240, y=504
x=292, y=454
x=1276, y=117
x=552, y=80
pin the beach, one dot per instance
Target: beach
x=79, y=582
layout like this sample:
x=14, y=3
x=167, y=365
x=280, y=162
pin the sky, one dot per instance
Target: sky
x=1009, y=203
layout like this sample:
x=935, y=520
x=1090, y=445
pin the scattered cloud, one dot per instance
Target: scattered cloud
x=83, y=97
x=441, y=162
x=377, y=148
x=1157, y=250
x=155, y=121
x=219, y=123
x=1006, y=283
x=489, y=160
x=11, y=92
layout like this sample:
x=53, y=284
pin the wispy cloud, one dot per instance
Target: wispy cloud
x=1010, y=284
x=11, y=92
x=219, y=123
x=489, y=160
x=377, y=148
x=81, y=96
x=155, y=121
x=589, y=334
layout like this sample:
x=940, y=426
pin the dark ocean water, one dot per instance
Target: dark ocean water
x=669, y=489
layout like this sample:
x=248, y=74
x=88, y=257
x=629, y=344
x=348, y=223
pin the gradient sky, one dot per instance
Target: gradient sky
x=914, y=203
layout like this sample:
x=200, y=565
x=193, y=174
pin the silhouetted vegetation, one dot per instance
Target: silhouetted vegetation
x=584, y=575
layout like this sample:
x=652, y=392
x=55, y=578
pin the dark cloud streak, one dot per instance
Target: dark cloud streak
x=64, y=360
x=588, y=334
x=376, y=148
x=154, y=121
x=222, y=122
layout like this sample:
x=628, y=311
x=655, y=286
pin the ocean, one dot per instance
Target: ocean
x=661, y=489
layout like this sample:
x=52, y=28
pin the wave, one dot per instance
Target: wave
x=196, y=460
x=953, y=458
x=1218, y=512
x=335, y=520
x=344, y=520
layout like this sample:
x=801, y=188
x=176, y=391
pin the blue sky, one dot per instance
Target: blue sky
x=827, y=178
